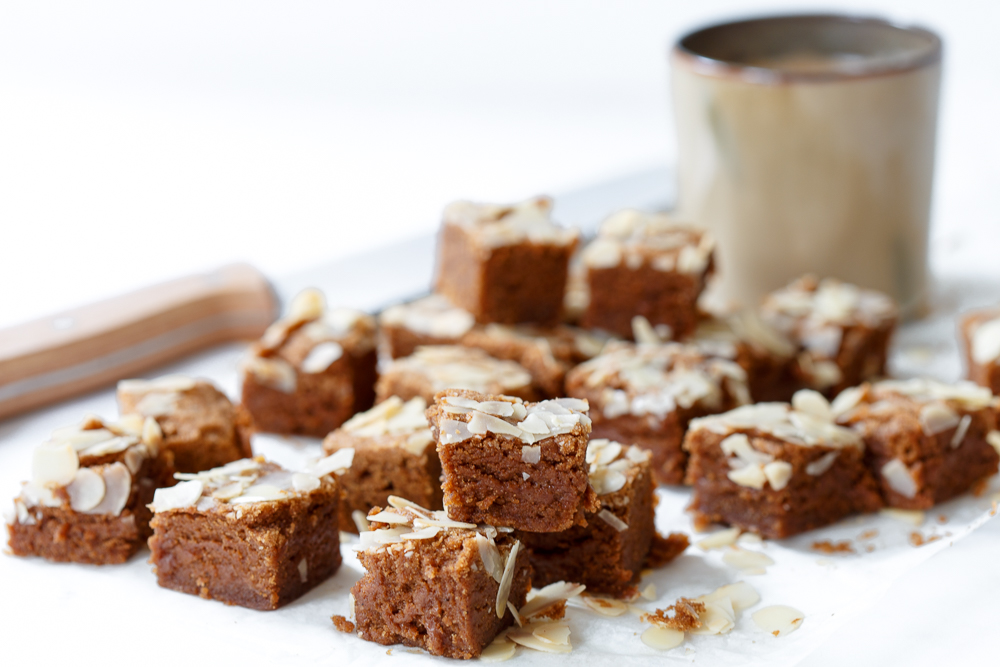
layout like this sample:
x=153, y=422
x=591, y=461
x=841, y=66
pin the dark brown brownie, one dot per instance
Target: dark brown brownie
x=927, y=441
x=438, y=367
x=394, y=455
x=842, y=331
x=509, y=463
x=647, y=265
x=87, y=499
x=432, y=320
x=437, y=584
x=200, y=426
x=505, y=264
x=312, y=370
x=608, y=554
x=980, y=334
x=777, y=469
x=646, y=395
x=547, y=353
x=249, y=533
x=768, y=358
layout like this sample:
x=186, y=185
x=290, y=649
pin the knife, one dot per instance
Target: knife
x=93, y=346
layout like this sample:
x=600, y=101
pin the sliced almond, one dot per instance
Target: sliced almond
x=117, y=489
x=507, y=579
x=184, y=494
x=778, y=620
x=54, y=464
x=604, y=606
x=662, y=639
x=899, y=478
x=526, y=637
x=498, y=650
x=750, y=562
x=719, y=539
x=717, y=619
x=741, y=595
x=86, y=491
x=915, y=517
x=547, y=596
x=490, y=556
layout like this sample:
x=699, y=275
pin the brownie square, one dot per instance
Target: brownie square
x=86, y=502
x=646, y=264
x=432, y=320
x=394, y=455
x=768, y=358
x=927, y=441
x=435, y=368
x=646, y=395
x=547, y=353
x=312, y=370
x=980, y=335
x=608, y=554
x=437, y=584
x=505, y=264
x=201, y=427
x=248, y=533
x=842, y=331
x=505, y=462
x=777, y=469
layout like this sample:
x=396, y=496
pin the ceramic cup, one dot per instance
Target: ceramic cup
x=806, y=144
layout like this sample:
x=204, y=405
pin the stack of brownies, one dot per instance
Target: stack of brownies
x=509, y=431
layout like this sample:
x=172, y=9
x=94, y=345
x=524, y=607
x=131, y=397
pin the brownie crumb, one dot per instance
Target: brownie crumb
x=828, y=547
x=942, y=518
x=683, y=615
x=665, y=549
x=868, y=534
x=918, y=540
x=979, y=488
x=553, y=612
x=342, y=624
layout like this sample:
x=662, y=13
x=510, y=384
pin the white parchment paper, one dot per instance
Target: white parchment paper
x=64, y=613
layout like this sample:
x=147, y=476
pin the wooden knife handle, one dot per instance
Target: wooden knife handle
x=85, y=348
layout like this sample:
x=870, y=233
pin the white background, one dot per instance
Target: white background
x=141, y=142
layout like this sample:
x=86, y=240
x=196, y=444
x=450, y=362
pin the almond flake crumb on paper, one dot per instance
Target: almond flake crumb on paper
x=604, y=606
x=683, y=615
x=778, y=620
x=915, y=517
x=749, y=562
x=828, y=547
x=718, y=540
x=498, y=650
x=662, y=639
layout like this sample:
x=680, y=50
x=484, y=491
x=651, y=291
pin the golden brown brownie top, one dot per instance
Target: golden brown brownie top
x=308, y=339
x=90, y=467
x=936, y=406
x=813, y=309
x=246, y=482
x=557, y=344
x=404, y=525
x=433, y=316
x=658, y=379
x=983, y=330
x=459, y=415
x=495, y=225
x=721, y=336
x=393, y=417
x=633, y=238
x=808, y=421
x=457, y=367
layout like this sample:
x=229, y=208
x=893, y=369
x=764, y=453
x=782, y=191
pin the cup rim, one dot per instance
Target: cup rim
x=716, y=67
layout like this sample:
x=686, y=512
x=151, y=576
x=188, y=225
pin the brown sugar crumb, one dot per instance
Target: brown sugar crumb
x=869, y=548
x=942, y=518
x=828, y=547
x=918, y=540
x=868, y=534
x=979, y=488
x=342, y=624
x=553, y=612
x=665, y=549
x=683, y=615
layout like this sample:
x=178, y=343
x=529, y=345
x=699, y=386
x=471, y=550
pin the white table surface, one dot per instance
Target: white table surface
x=139, y=143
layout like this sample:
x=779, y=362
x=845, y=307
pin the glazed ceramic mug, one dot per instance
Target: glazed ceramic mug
x=806, y=144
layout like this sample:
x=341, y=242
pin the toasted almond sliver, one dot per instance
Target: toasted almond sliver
x=722, y=538
x=389, y=517
x=741, y=595
x=662, y=639
x=526, y=637
x=649, y=592
x=508, y=578
x=423, y=534
x=751, y=562
x=549, y=595
x=490, y=556
x=360, y=520
x=612, y=520
x=604, y=606
x=717, y=619
x=916, y=517
x=553, y=633
x=778, y=620
x=499, y=649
